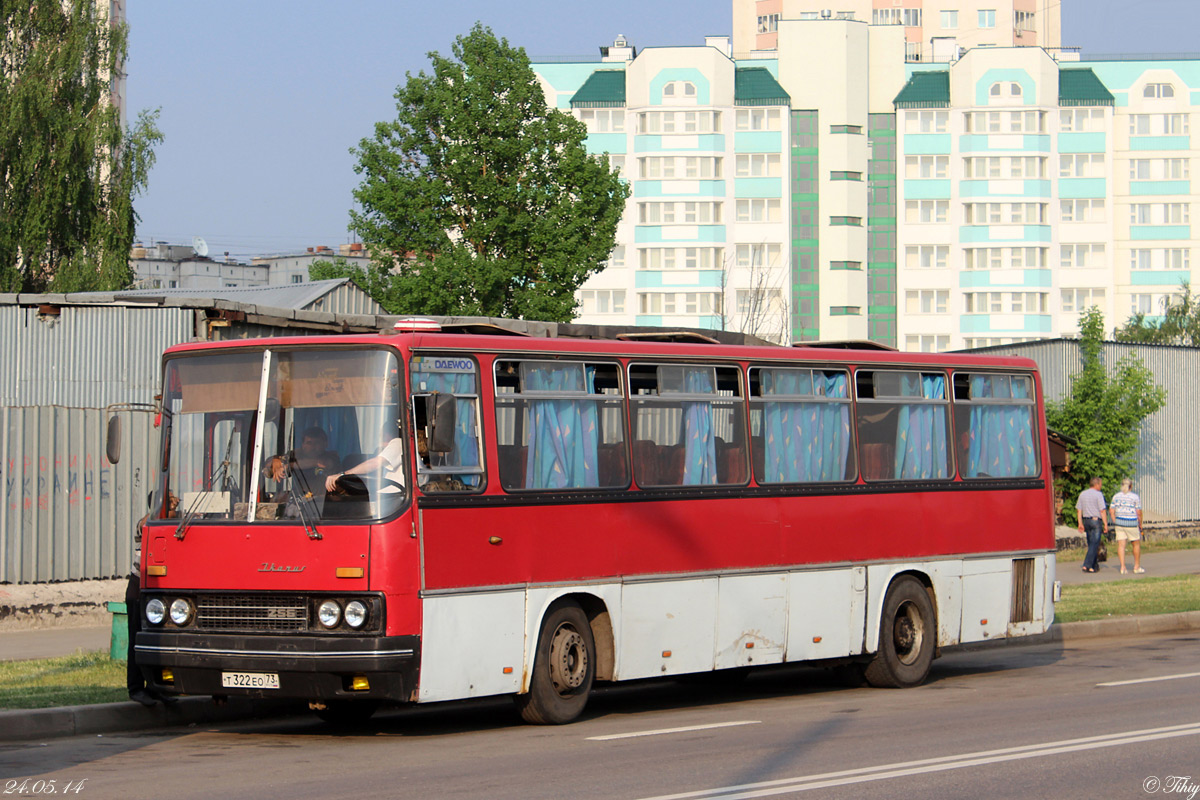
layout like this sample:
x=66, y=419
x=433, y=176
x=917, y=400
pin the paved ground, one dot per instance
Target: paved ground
x=1172, y=562
x=51, y=642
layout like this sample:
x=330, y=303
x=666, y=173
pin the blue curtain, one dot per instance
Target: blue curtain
x=699, y=441
x=1001, y=437
x=921, y=430
x=563, y=435
x=804, y=442
x=341, y=424
x=465, y=452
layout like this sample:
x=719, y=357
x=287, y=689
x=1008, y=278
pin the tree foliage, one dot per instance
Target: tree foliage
x=68, y=170
x=1104, y=414
x=1179, y=323
x=478, y=199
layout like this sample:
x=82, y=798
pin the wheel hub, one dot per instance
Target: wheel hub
x=568, y=659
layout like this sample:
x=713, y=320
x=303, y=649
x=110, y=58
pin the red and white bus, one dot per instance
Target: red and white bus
x=428, y=516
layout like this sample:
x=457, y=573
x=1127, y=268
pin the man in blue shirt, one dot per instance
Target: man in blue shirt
x=1093, y=521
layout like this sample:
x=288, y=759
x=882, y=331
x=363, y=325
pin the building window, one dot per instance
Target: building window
x=679, y=122
x=845, y=311
x=984, y=302
x=757, y=165
x=926, y=210
x=1082, y=255
x=768, y=23
x=926, y=121
x=757, y=256
x=758, y=119
x=1024, y=20
x=758, y=302
x=926, y=166
x=1158, y=90
x=679, y=91
x=926, y=343
x=603, y=120
x=838, y=221
x=949, y=19
x=680, y=258
x=926, y=301
x=908, y=17
x=927, y=256
x=1079, y=300
x=1081, y=165
x=845, y=176
x=1139, y=259
x=686, y=213
x=297, y=279
x=602, y=301
x=1175, y=124
x=757, y=209
x=1081, y=119
x=1029, y=303
x=1177, y=258
x=1139, y=169
x=843, y=265
x=987, y=17
x=1176, y=213
x=985, y=258
x=1175, y=169
x=845, y=129
x=1086, y=210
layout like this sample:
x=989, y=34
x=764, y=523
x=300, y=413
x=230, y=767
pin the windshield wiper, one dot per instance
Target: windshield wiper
x=305, y=503
x=221, y=475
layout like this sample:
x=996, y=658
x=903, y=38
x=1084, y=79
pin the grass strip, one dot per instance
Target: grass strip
x=74, y=680
x=1129, y=597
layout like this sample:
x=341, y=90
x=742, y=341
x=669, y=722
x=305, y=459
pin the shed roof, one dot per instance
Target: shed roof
x=925, y=90
x=1082, y=87
x=604, y=88
x=756, y=86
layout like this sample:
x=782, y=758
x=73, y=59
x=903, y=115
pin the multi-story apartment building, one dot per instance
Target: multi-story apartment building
x=934, y=30
x=704, y=142
x=1033, y=189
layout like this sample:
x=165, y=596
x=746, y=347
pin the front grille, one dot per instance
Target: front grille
x=256, y=613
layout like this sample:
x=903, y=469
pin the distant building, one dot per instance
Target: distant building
x=168, y=266
x=934, y=30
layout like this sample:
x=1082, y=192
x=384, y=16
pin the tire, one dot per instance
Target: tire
x=907, y=637
x=564, y=668
x=347, y=713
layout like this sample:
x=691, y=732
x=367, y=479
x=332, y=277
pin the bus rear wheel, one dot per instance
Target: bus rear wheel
x=907, y=636
x=564, y=668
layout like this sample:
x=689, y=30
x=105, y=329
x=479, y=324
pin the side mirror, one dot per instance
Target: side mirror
x=441, y=414
x=112, y=446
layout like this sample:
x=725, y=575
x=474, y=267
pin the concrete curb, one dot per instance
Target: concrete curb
x=29, y=725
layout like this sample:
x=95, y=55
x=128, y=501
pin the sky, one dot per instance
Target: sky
x=260, y=102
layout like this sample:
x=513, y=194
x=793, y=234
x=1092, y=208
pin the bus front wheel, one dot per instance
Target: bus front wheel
x=564, y=668
x=907, y=636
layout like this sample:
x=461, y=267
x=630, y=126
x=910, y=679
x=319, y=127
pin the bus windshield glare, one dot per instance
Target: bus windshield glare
x=265, y=435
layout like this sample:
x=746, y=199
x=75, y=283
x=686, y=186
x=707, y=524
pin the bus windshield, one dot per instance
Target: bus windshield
x=265, y=435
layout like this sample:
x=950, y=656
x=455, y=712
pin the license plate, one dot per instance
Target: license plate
x=250, y=680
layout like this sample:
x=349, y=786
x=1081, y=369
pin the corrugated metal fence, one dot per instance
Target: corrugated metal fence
x=1168, y=458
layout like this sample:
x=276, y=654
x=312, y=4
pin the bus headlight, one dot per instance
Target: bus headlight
x=356, y=613
x=329, y=614
x=181, y=612
x=155, y=611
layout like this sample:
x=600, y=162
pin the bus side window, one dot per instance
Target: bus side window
x=560, y=425
x=994, y=425
x=453, y=462
x=689, y=425
x=803, y=422
x=902, y=424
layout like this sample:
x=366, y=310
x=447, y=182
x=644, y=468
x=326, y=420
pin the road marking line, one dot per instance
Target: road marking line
x=1152, y=680
x=939, y=764
x=661, y=731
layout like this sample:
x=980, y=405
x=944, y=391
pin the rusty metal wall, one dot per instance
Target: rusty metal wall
x=1168, y=458
x=67, y=513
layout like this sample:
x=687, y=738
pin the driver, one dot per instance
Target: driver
x=313, y=457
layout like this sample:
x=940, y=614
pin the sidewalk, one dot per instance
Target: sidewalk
x=1157, y=565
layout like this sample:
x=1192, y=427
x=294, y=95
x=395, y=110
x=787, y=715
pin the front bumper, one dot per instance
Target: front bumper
x=309, y=667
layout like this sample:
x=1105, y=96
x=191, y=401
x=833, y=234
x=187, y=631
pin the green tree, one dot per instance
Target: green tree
x=1104, y=414
x=68, y=170
x=1179, y=323
x=478, y=199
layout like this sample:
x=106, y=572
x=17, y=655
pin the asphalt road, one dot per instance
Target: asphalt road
x=1014, y=722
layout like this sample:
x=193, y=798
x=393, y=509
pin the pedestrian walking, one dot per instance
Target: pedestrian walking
x=1091, y=512
x=1126, y=510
